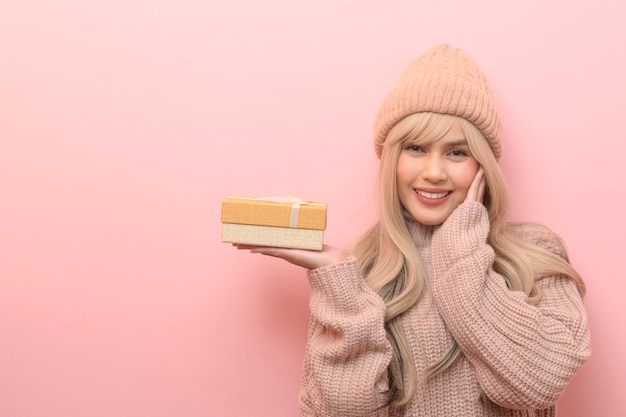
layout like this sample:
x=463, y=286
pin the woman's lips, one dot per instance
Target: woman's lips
x=432, y=197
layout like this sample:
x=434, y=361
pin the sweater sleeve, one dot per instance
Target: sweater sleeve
x=524, y=355
x=347, y=354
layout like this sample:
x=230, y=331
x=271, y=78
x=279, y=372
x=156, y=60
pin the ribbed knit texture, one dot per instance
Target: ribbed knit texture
x=442, y=80
x=517, y=358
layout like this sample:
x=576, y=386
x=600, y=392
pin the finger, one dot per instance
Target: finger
x=288, y=254
x=481, y=189
x=266, y=251
x=473, y=191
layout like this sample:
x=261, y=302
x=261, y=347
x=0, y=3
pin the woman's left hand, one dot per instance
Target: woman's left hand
x=476, y=191
x=310, y=259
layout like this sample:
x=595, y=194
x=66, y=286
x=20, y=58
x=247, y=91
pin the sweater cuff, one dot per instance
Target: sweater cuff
x=341, y=286
x=464, y=232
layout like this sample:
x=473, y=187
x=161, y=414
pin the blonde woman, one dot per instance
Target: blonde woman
x=441, y=308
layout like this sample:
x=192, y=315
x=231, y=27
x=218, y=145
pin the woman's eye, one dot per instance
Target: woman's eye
x=458, y=153
x=413, y=148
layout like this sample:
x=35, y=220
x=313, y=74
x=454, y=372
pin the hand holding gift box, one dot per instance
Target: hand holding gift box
x=284, y=222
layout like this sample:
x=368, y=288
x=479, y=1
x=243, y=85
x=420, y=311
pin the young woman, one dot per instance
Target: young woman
x=442, y=308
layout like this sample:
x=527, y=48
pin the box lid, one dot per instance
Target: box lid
x=274, y=211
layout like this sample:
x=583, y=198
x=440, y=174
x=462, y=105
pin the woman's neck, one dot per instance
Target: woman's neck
x=422, y=234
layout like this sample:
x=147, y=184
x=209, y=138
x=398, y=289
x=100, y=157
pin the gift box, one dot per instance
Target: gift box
x=285, y=222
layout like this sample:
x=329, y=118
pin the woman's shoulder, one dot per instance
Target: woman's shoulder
x=538, y=235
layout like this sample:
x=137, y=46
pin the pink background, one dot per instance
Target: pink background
x=123, y=124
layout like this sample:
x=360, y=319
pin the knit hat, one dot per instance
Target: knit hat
x=442, y=80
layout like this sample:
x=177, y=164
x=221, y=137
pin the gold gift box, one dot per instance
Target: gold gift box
x=285, y=222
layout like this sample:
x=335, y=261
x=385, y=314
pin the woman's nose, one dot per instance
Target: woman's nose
x=434, y=169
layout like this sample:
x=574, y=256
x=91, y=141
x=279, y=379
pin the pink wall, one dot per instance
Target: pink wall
x=123, y=124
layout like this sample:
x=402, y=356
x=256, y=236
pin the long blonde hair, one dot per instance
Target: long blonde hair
x=390, y=262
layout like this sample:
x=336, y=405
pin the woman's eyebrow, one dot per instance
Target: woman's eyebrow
x=459, y=142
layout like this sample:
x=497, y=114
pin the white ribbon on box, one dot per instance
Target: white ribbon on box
x=295, y=207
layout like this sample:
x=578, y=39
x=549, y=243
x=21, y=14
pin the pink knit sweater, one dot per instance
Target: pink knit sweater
x=517, y=358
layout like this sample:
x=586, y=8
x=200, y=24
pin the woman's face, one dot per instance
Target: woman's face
x=433, y=179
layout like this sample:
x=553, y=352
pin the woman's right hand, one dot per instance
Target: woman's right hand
x=476, y=191
x=309, y=259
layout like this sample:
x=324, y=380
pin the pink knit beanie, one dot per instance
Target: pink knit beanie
x=442, y=80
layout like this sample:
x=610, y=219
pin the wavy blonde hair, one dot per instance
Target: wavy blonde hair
x=390, y=262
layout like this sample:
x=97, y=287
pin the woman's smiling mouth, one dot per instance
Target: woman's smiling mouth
x=432, y=196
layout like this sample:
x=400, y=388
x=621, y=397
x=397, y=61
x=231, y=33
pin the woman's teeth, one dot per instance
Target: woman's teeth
x=432, y=196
